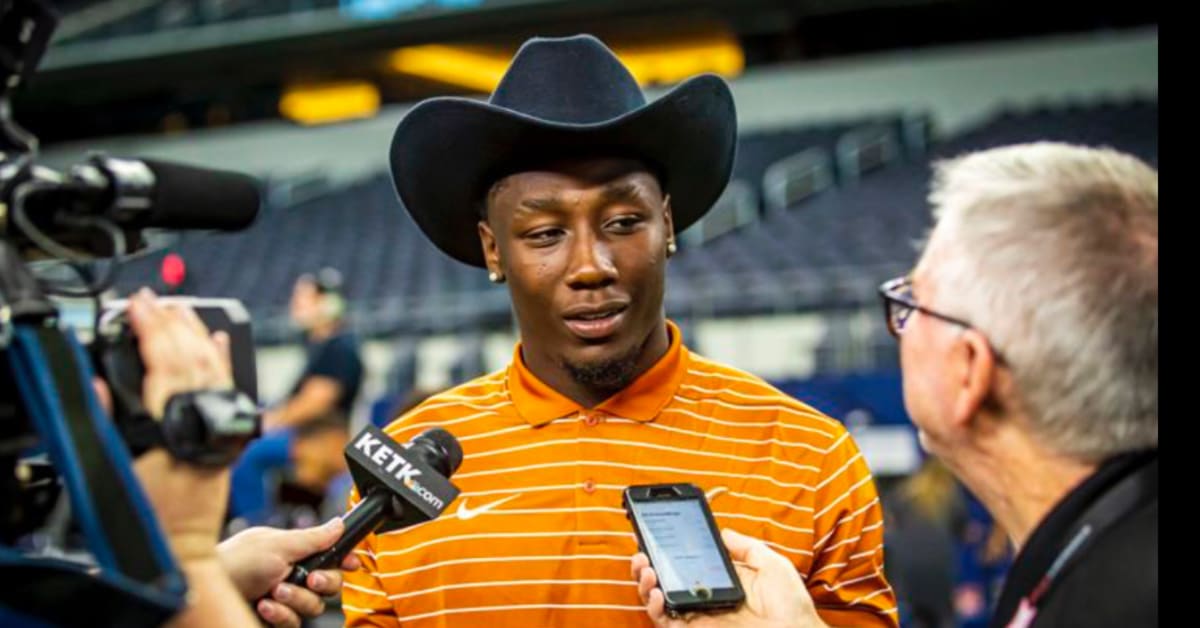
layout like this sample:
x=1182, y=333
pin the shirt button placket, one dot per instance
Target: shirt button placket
x=591, y=419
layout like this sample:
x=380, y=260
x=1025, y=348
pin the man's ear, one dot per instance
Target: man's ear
x=975, y=366
x=491, y=250
x=668, y=218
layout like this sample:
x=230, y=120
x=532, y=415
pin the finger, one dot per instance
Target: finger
x=325, y=581
x=754, y=553
x=636, y=563
x=746, y=574
x=294, y=545
x=189, y=317
x=192, y=339
x=139, y=310
x=224, y=351
x=145, y=310
x=739, y=545
x=304, y=602
x=656, y=608
x=351, y=562
x=151, y=326
x=277, y=614
x=647, y=580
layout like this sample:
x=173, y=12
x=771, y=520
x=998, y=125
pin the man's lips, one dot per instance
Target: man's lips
x=595, y=321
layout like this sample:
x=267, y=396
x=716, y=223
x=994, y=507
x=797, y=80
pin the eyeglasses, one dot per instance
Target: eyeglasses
x=898, y=306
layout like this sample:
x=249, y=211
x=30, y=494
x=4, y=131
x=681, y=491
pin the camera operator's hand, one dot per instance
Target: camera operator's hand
x=180, y=356
x=775, y=595
x=178, y=352
x=258, y=559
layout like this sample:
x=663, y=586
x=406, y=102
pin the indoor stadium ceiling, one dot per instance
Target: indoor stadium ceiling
x=136, y=66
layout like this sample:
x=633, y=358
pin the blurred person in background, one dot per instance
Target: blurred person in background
x=333, y=369
x=319, y=463
x=1029, y=350
x=304, y=434
x=983, y=563
x=925, y=520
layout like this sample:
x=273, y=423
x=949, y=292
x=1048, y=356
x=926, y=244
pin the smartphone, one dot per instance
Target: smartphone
x=675, y=528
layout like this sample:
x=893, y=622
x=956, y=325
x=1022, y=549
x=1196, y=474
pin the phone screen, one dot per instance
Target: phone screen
x=681, y=546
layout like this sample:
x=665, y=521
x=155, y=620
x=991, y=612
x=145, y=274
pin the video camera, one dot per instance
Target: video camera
x=54, y=434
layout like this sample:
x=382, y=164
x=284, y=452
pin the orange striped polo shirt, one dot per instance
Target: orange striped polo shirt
x=538, y=536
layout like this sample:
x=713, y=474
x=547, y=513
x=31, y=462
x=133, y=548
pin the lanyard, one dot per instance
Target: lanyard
x=1114, y=505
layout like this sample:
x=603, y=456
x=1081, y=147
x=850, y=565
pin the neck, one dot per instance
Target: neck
x=321, y=331
x=550, y=370
x=1019, y=481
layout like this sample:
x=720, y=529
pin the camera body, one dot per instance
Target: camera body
x=208, y=428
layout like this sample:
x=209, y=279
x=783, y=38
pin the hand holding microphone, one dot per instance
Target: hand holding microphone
x=258, y=559
x=401, y=485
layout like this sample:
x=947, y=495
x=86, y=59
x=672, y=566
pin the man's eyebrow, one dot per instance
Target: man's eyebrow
x=623, y=191
x=542, y=203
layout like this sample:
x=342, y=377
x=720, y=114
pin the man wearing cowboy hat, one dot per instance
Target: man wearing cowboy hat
x=570, y=188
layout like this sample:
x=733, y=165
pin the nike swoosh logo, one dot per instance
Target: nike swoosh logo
x=714, y=491
x=465, y=513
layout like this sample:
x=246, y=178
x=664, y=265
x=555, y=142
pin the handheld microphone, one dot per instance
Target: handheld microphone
x=401, y=485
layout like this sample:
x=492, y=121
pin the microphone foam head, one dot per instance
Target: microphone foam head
x=447, y=452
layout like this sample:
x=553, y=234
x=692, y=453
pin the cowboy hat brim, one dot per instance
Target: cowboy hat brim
x=447, y=151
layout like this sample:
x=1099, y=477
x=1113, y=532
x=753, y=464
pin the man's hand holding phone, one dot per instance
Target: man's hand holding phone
x=690, y=576
x=676, y=530
x=775, y=594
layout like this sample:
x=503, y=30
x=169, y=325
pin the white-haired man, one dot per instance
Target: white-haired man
x=1029, y=347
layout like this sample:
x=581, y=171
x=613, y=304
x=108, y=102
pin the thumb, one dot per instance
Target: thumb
x=752, y=552
x=297, y=544
x=739, y=545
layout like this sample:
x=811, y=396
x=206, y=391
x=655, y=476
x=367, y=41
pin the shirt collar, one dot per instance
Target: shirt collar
x=641, y=400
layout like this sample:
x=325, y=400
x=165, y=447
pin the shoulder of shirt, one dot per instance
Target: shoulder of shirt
x=343, y=342
x=483, y=392
x=1097, y=592
x=708, y=378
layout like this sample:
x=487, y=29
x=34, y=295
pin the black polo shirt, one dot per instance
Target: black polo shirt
x=335, y=357
x=1112, y=580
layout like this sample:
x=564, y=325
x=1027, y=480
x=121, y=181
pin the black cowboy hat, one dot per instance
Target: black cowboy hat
x=567, y=97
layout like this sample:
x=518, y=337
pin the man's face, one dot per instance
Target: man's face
x=305, y=306
x=926, y=359
x=583, y=247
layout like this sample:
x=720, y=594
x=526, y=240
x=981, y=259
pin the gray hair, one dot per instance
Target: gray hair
x=1052, y=251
